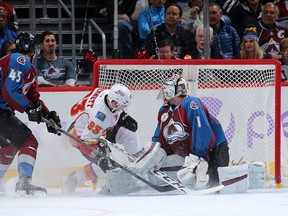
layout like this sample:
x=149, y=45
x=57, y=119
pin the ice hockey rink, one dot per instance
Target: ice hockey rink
x=85, y=202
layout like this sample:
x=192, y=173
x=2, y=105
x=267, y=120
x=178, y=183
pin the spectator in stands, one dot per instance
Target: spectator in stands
x=151, y=18
x=181, y=38
x=250, y=48
x=166, y=47
x=128, y=26
x=226, y=39
x=248, y=12
x=7, y=47
x=53, y=70
x=5, y=32
x=197, y=50
x=283, y=12
x=228, y=6
x=284, y=59
x=11, y=15
x=192, y=15
x=270, y=33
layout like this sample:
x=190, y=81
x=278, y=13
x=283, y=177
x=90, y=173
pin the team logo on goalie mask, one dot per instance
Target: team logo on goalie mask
x=173, y=132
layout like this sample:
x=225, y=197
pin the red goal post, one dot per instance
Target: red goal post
x=244, y=95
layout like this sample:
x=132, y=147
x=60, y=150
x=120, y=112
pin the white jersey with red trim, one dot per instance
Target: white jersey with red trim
x=94, y=116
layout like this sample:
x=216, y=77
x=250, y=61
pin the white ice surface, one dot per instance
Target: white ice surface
x=85, y=202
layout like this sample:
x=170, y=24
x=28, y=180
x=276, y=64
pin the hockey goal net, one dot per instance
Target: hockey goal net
x=243, y=95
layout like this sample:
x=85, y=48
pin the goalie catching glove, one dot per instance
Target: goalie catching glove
x=194, y=173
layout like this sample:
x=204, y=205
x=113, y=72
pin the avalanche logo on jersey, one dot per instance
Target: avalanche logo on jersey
x=21, y=60
x=193, y=105
x=173, y=132
x=101, y=116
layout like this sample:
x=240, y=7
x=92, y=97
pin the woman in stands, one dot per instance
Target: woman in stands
x=250, y=48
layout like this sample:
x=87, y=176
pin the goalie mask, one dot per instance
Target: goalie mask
x=121, y=95
x=173, y=87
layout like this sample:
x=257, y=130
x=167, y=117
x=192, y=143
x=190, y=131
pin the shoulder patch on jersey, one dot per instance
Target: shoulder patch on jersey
x=193, y=105
x=101, y=116
x=21, y=60
x=164, y=117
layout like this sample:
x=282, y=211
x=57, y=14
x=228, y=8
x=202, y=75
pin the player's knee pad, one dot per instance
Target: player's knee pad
x=119, y=182
x=170, y=167
x=256, y=175
x=152, y=159
x=235, y=178
x=29, y=146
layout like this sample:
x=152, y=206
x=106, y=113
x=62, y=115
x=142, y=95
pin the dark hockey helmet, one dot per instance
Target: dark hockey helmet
x=27, y=43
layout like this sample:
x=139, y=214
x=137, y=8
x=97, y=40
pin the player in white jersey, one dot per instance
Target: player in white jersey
x=98, y=113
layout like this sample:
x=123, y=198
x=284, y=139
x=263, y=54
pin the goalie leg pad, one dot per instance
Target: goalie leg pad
x=235, y=179
x=119, y=182
x=256, y=175
x=170, y=167
x=152, y=159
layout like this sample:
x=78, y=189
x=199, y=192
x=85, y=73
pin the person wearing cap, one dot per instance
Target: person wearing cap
x=11, y=15
x=249, y=48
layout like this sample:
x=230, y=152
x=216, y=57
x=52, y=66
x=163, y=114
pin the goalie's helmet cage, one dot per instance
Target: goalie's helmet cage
x=174, y=86
x=120, y=94
x=27, y=43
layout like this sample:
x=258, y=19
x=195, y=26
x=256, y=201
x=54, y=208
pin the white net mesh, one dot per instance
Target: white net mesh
x=241, y=96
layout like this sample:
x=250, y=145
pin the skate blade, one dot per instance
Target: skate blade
x=23, y=193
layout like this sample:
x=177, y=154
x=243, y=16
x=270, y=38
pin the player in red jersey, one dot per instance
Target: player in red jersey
x=19, y=93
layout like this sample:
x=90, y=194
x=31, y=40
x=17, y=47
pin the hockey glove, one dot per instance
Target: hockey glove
x=35, y=112
x=128, y=122
x=53, y=116
x=194, y=172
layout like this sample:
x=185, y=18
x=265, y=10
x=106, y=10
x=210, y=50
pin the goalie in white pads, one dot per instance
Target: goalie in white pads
x=191, y=136
x=97, y=113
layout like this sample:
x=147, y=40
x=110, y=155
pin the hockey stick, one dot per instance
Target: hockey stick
x=166, y=178
x=95, y=153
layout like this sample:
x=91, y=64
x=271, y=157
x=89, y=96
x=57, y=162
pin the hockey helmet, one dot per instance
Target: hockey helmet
x=27, y=43
x=173, y=87
x=121, y=95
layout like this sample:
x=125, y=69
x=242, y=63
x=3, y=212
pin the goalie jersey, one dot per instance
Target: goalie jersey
x=188, y=128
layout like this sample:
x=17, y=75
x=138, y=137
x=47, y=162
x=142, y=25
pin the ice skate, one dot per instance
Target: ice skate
x=25, y=187
x=69, y=183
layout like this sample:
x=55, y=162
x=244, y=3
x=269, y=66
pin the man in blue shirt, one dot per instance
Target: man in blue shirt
x=151, y=18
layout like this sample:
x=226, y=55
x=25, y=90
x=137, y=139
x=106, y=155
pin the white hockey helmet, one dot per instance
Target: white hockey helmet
x=121, y=95
x=173, y=87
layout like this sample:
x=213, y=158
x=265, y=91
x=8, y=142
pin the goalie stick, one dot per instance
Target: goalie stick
x=166, y=178
x=95, y=153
